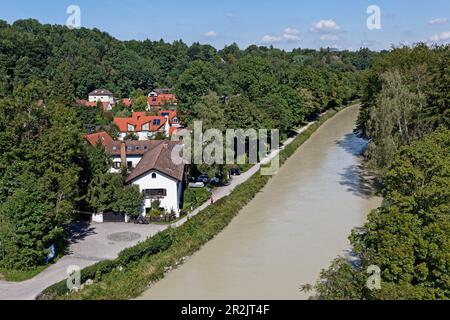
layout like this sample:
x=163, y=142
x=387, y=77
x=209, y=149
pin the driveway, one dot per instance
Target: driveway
x=90, y=243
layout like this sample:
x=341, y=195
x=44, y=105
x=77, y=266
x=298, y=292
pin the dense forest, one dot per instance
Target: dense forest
x=406, y=116
x=47, y=172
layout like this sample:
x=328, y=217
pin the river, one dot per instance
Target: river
x=294, y=228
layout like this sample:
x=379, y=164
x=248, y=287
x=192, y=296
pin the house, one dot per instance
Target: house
x=101, y=95
x=160, y=98
x=127, y=102
x=152, y=169
x=144, y=126
x=159, y=178
x=106, y=105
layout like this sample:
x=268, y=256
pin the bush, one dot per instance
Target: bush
x=194, y=197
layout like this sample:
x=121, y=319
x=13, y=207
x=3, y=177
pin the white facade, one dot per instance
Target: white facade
x=155, y=180
x=117, y=162
x=102, y=98
x=147, y=135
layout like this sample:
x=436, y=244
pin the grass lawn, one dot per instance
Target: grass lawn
x=20, y=275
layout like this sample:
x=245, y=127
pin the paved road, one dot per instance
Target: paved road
x=90, y=243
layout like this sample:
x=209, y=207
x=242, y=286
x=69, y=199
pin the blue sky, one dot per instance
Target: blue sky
x=285, y=24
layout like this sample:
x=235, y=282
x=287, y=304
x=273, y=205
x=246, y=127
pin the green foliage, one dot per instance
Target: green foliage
x=408, y=237
x=194, y=197
x=405, y=97
x=108, y=193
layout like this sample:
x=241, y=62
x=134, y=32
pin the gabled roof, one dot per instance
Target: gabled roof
x=105, y=104
x=161, y=100
x=100, y=137
x=101, y=92
x=170, y=113
x=127, y=102
x=138, y=120
x=132, y=147
x=159, y=158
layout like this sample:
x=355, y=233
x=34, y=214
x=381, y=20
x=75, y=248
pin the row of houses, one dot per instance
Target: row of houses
x=157, y=99
x=148, y=161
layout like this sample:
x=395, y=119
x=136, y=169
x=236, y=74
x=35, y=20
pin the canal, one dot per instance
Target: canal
x=294, y=228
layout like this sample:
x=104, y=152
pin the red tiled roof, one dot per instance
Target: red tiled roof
x=132, y=147
x=162, y=100
x=100, y=137
x=138, y=120
x=159, y=158
x=170, y=113
x=86, y=103
x=127, y=102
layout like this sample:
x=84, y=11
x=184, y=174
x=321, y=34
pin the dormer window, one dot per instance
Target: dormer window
x=130, y=128
x=153, y=175
x=146, y=127
x=175, y=120
x=156, y=122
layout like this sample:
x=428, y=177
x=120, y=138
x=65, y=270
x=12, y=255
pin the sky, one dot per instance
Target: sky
x=285, y=24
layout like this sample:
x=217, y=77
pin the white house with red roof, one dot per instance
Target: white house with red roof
x=161, y=98
x=146, y=126
x=152, y=169
x=102, y=95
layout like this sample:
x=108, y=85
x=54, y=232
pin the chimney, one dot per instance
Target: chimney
x=123, y=154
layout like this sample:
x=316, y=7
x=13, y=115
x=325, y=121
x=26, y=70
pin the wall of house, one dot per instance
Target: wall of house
x=162, y=181
x=134, y=159
x=142, y=135
x=101, y=98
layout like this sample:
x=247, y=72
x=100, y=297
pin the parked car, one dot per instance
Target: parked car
x=203, y=178
x=196, y=185
x=235, y=172
x=215, y=181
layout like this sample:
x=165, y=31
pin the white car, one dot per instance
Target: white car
x=196, y=185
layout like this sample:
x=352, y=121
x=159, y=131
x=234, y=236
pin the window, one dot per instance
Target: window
x=154, y=193
x=130, y=128
x=153, y=175
x=117, y=164
x=156, y=122
x=145, y=147
x=115, y=148
x=138, y=148
x=130, y=164
x=175, y=120
x=164, y=114
x=146, y=127
x=129, y=148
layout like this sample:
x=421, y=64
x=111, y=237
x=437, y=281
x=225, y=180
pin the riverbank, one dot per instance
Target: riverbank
x=151, y=259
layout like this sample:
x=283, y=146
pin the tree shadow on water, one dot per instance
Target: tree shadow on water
x=353, y=144
x=355, y=177
x=358, y=181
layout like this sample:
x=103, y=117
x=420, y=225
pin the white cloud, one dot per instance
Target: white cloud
x=291, y=31
x=289, y=35
x=210, y=34
x=329, y=37
x=438, y=21
x=441, y=37
x=325, y=26
x=271, y=39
